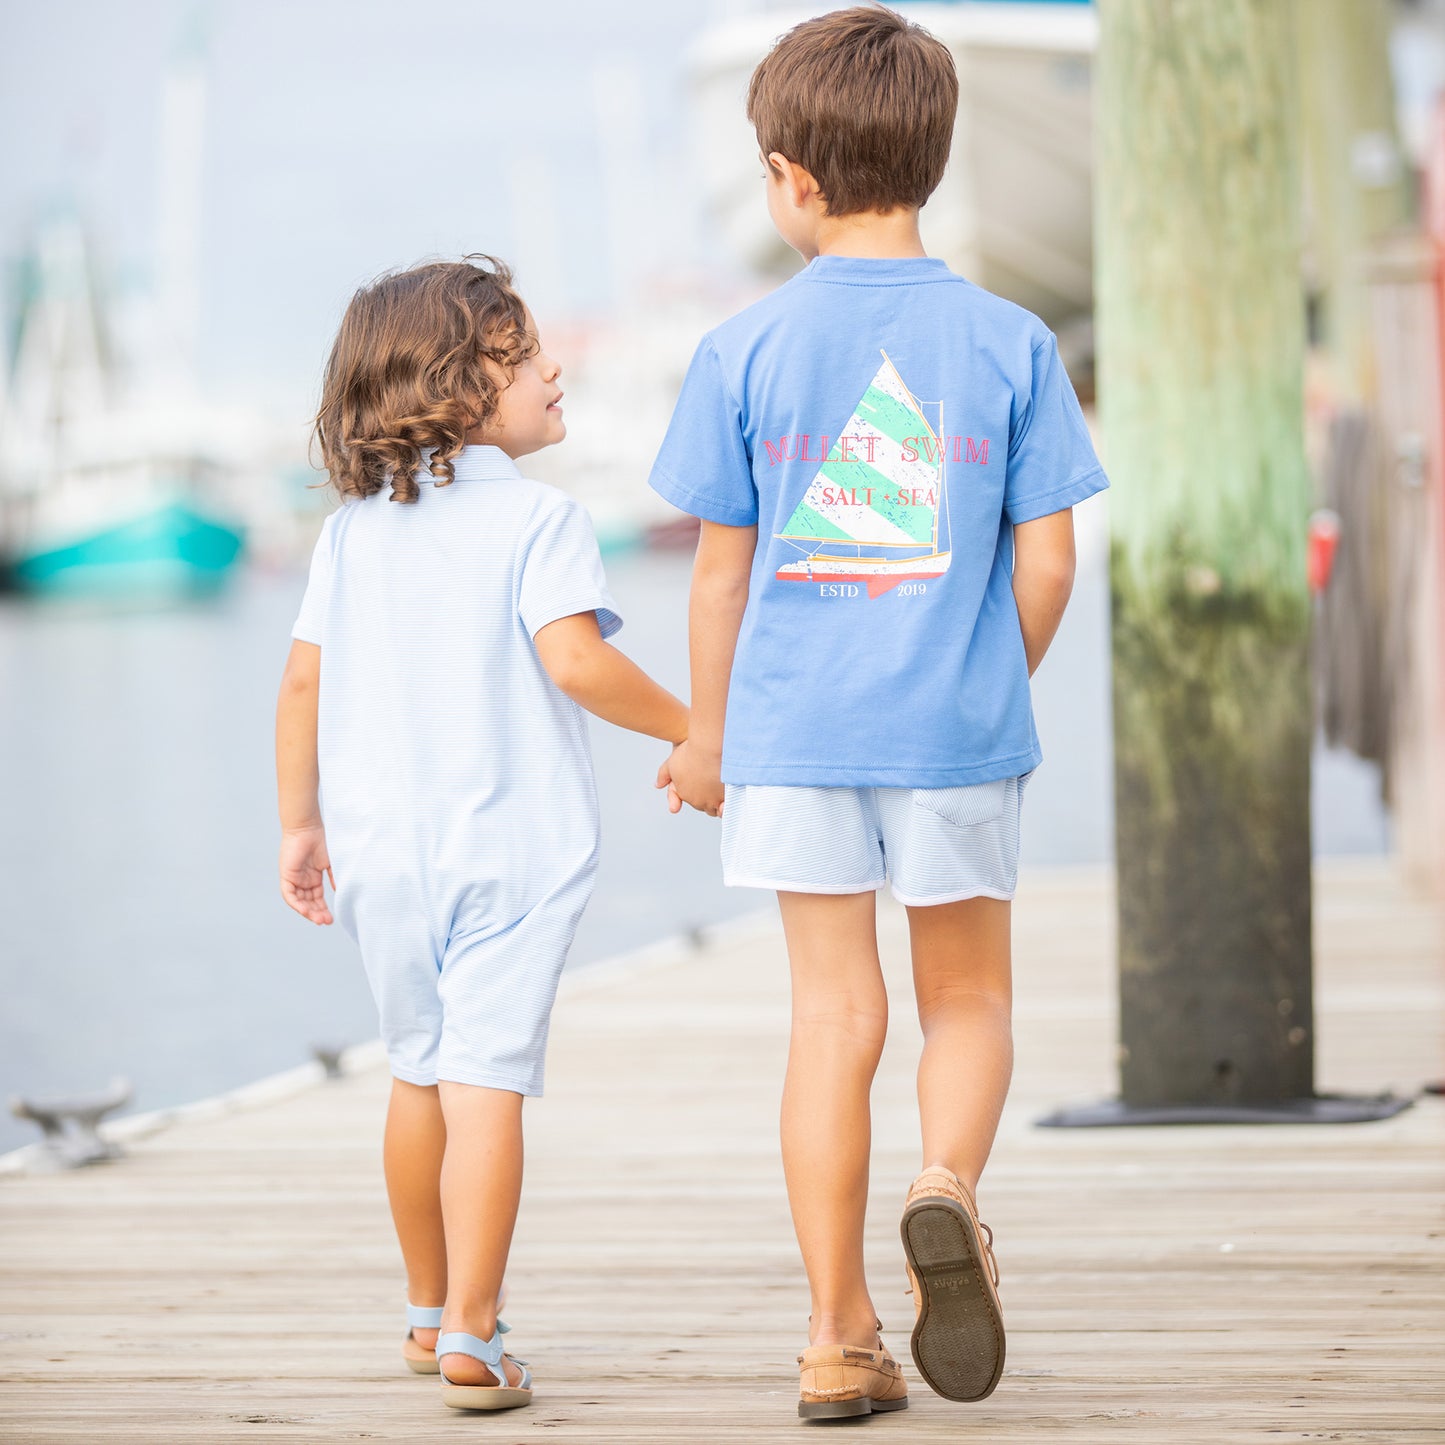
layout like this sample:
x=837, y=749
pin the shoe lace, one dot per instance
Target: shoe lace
x=988, y=1252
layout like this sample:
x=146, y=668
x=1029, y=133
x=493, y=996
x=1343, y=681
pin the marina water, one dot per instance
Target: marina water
x=141, y=931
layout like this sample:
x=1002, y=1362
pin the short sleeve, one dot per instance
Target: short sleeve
x=311, y=620
x=1051, y=461
x=704, y=467
x=560, y=571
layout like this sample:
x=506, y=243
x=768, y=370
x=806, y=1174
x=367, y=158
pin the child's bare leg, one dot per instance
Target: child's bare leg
x=840, y=1018
x=412, y=1148
x=962, y=980
x=481, y=1185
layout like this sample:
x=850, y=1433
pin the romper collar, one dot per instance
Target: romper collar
x=477, y=464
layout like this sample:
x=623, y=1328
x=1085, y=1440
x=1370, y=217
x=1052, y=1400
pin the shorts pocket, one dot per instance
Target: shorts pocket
x=964, y=807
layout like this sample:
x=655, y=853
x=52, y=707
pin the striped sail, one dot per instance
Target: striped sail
x=885, y=493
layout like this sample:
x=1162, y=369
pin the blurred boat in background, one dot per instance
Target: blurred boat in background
x=101, y=493
x=1014, y=212
x=171, y=551
x=119, y=477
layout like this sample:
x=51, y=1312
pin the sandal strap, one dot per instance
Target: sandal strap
x=489, y=1352
x=429, y=1317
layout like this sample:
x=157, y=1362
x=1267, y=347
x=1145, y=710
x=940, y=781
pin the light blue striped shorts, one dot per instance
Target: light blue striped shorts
x=465, y=973
x=931, y=845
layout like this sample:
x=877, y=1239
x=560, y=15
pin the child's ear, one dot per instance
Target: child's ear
x=798, y=184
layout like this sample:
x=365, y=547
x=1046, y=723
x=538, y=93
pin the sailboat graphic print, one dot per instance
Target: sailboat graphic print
x=881, y=488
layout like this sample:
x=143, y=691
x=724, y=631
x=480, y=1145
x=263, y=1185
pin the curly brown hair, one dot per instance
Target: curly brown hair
x=420, y=360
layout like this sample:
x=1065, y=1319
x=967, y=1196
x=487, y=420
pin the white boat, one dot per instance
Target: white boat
x=1014, y=211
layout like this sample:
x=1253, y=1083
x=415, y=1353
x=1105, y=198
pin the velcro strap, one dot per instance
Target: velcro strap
x=489, y=1352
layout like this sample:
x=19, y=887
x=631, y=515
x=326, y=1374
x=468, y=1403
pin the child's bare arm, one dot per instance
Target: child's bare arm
x=304, y=859
x=1043, y=579
x=715, y=614
x=595, y=675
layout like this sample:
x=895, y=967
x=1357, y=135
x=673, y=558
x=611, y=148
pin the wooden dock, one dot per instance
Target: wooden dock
x=234, y=1278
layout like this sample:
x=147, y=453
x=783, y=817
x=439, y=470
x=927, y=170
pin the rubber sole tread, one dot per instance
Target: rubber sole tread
x=958, y=1339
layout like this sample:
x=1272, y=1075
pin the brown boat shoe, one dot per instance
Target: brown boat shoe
x=840, y=1382
x=958, y=1335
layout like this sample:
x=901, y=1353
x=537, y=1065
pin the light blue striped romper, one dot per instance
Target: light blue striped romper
x=456, y=778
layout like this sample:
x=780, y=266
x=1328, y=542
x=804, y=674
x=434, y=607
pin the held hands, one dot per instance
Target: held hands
x=692, y=775
x=304, y=864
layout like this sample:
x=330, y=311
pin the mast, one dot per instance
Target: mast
x=942, y=474
x=178, y=228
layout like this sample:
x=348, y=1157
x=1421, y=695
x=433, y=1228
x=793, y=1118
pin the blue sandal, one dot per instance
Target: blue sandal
x=501, y=1396
x=419, y=1359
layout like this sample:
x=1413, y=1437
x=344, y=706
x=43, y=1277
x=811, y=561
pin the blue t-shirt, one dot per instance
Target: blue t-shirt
x=884, y=423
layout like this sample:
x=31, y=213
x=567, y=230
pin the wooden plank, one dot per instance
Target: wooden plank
x=236, y=1279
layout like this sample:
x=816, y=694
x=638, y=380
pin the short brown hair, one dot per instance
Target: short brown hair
x=416, y=365
x=864, y=101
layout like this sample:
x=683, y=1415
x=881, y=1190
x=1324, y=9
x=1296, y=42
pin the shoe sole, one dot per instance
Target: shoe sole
x=485, y=1397
x=958, y=1341
x=422, y=1367
x=847, y=1409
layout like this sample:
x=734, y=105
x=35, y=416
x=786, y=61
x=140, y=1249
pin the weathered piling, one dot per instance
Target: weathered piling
x=1201, y=337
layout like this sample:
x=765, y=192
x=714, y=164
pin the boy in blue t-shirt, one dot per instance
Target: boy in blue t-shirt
x=884, y=458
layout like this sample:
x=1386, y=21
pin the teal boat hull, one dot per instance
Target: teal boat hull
x=170, y=551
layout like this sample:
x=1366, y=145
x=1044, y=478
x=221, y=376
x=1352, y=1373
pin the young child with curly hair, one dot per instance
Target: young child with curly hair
x=431, y=749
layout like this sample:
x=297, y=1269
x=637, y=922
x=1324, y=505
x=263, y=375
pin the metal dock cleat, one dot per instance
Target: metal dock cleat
x=70, y=1125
